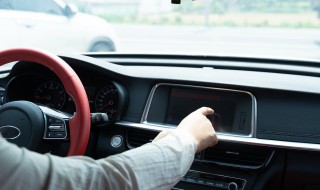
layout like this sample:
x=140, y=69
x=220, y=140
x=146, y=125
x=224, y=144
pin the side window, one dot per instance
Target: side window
x=43, y=6
x=6, y=4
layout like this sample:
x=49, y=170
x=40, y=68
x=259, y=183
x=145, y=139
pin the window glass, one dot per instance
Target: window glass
x=44, y=6
x=6, y=4
x=257, y=28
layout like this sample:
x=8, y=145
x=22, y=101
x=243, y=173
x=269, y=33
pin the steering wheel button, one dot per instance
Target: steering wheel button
x=50, y=135
x=58, y=121
x=50, y=120
x=55, y=127
x=60, y=135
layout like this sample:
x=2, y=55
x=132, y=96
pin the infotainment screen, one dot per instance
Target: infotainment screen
x=183, y=101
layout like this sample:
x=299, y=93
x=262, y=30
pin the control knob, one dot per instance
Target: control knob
x=233, y=186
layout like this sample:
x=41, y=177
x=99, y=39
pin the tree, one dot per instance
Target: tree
x=316, y=6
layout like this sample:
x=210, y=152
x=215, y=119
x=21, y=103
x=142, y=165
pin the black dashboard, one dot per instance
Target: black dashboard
x=267, y=111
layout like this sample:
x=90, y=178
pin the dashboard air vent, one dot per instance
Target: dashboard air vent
x=136, y=138
x=239, y=156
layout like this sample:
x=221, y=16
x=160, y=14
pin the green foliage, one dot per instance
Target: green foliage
x=276, y=6
x=261, y=6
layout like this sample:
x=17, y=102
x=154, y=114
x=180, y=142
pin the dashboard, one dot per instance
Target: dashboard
x=267, y=111
x=42, y=87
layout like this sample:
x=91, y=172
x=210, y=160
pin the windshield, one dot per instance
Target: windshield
x=264, y=28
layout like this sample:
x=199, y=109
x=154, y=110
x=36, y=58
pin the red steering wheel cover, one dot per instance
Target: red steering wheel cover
x=80, y=123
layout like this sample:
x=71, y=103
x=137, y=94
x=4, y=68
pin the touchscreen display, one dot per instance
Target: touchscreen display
x=184, y=101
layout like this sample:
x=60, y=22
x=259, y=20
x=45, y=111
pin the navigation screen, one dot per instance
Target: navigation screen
x=184, y=101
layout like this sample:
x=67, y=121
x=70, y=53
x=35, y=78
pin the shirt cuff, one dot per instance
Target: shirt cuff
x=182, y=136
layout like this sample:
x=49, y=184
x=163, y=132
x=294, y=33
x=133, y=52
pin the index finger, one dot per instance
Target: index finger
x=205, y=111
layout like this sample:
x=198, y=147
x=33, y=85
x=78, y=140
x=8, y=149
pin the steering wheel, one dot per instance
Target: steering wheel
x=29, y=125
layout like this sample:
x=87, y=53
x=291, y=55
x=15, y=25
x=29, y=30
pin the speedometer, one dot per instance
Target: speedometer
x=51, y=94
x=107, y=100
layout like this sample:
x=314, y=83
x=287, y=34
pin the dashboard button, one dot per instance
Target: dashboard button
x=210, y=183
x=191, y=179
x=116, y=141
x=201, y=181
x=220, y=184
x=233, y=186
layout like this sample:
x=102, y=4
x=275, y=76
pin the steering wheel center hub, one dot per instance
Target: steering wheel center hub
x=22, y=123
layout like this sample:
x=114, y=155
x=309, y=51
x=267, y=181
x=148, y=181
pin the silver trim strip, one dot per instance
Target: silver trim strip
x=236, y=139
x=149, y=101
x=10, y=126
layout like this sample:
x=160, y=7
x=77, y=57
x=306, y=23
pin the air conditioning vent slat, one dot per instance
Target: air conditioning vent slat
x=245, y=158
x=241, y=156
x=240, y=159
x=223, y=154
x=136, y=138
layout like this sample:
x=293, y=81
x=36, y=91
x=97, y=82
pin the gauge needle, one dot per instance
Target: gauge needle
x=104, y=106
x=43, y=97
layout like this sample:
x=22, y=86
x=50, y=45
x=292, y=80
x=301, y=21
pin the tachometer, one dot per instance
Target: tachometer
x=51, y=94
x=107, y=100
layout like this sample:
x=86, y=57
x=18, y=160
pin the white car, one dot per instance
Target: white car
x=53, y=25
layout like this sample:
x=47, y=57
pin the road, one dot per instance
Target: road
x=222, y=41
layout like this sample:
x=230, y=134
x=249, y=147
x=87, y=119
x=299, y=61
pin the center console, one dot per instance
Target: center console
x=234, y=116
x=228, y=165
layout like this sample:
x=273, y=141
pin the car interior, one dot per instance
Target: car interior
x=98, y=104
x=266, y=111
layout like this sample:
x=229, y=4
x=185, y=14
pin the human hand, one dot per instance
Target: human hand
x=200, y=128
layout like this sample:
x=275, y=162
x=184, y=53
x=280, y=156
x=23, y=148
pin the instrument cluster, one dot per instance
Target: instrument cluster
x=104, y=95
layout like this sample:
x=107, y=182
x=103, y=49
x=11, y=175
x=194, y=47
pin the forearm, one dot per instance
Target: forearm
x=157, y=165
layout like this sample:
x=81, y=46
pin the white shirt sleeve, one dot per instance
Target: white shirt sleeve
x=157, y=165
